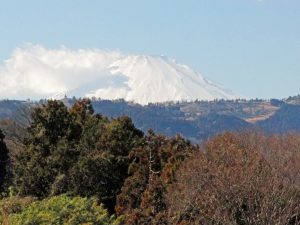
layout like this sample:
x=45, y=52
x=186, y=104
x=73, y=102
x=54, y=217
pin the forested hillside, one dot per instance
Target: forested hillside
x=196, y=121
x=79, y=167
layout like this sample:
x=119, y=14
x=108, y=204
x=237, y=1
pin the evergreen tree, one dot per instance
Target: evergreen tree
x=74, y=151
x=103, y=164
x=4, y=160
x=50, y=149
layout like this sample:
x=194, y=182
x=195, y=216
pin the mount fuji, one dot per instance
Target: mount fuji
x=36, y=72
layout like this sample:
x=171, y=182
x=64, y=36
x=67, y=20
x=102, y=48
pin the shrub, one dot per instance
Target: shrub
x=12, y=205
x=63, y=210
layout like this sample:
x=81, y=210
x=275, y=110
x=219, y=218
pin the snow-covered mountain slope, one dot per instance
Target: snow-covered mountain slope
x=37, y=72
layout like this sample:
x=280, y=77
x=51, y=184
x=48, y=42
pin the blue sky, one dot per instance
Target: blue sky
x=249, y=46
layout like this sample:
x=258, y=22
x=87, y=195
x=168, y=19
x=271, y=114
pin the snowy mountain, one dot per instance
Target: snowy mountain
x=37, y=72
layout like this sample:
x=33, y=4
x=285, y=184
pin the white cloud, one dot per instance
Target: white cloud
x=36, y=72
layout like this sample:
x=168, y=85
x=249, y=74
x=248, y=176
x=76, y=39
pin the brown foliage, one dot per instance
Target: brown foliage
x=239, y=179
x=153, y=167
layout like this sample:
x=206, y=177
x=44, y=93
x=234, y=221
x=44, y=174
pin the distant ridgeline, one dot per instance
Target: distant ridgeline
x=196, y=121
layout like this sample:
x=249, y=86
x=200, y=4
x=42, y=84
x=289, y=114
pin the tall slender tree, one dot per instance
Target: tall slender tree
x=4, y=160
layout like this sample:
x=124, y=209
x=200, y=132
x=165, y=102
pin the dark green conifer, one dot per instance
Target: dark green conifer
x=4, y=161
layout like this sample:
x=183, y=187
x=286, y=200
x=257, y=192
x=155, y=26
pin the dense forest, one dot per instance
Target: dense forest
x=75, y=166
